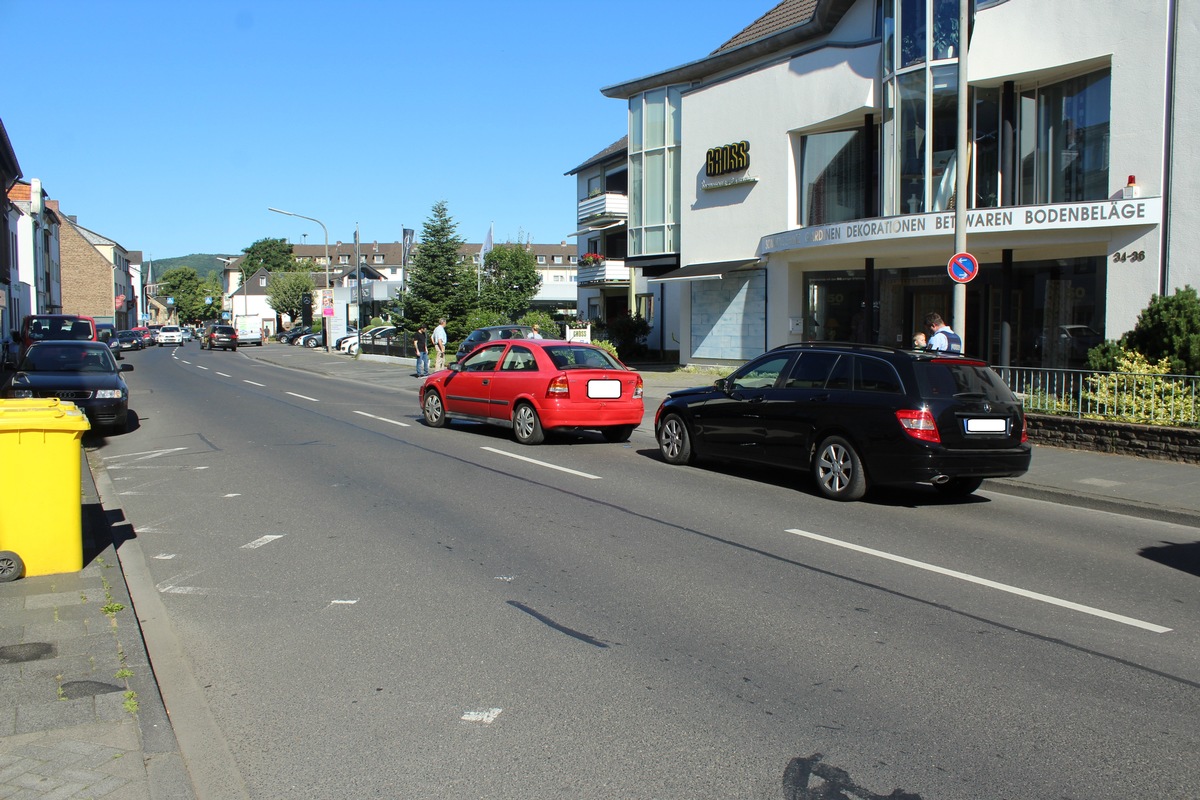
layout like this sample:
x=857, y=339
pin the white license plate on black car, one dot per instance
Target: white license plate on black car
x=987, y=425
x=604, y=389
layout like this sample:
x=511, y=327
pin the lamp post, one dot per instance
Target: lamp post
x=328, y=285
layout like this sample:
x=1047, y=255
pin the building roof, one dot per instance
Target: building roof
x=617, y=148
x=787, y=25
x=786, y=15
x=10, y=170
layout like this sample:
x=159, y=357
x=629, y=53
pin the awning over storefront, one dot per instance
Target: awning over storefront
x=714, y=270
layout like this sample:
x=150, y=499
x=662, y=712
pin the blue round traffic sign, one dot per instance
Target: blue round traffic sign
x=962, y=267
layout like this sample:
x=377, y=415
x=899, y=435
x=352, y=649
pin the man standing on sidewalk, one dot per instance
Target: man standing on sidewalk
x=941, y=338
x=439, y=342
x=421, y=344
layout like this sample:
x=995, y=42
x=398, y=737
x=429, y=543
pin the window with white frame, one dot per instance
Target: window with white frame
x=541, y=260
x=832, y=170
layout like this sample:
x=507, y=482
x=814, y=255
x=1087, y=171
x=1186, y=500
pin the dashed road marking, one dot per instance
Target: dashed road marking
x=1003, y=587
x=254, y=383
x=486, y=717
x=260, y=541
x=383, y=419
x=224, y=375
x=303, y=397
x=545, y=464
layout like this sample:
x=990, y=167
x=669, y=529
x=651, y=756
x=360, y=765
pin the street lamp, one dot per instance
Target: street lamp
x=328, y=285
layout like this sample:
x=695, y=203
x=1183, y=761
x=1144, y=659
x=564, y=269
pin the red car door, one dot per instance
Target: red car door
x=517, y=377
x=469, y=388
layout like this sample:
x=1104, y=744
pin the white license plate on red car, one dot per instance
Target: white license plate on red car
x=987, y=426
x=604, y=389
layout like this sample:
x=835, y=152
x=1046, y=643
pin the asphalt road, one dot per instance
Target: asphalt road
x=376, y=608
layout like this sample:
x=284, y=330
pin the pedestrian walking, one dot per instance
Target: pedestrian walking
x=421, y=343
x=439, y=344
x=943, y=338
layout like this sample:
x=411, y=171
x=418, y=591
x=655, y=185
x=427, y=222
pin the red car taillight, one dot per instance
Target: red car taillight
x=1024, y=431
x=558, y=388
x=919, y=424
x=637, y=390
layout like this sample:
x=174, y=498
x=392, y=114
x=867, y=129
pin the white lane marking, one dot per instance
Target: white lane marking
x=303, y=397
x=333, y=603
x=253, y=383
x=165, y=556
x=146, y=454
x=542, y=463
x=235, y=494
x=383, y=419
x=203, y=368
x=200, y=468
x=486, y=717
x=224, y=375
x=184, y=360
x=260, y=541
x=1003, y=587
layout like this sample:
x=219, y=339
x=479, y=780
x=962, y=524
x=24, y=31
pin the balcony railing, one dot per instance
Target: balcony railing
x=609, y=271
x=607, y=207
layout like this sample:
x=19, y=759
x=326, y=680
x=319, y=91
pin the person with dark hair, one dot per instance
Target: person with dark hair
x=421, y=345
x=942, y=337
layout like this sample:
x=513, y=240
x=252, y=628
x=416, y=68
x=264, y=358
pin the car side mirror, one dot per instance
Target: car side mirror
x=127, y=368
x=724, y=384
x=454, y=367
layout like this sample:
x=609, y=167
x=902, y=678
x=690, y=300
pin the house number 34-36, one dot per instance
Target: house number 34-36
x=1134, y=255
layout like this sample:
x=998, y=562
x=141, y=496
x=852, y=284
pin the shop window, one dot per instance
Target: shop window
x=1064, y=140
x=832, y=177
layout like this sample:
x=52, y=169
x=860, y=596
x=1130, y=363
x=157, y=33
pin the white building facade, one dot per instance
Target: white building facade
x=798, y=183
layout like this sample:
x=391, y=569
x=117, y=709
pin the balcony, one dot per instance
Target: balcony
x=602, y=208
x=608, y=272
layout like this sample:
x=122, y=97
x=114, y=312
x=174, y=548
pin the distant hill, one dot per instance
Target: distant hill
x=204, y=263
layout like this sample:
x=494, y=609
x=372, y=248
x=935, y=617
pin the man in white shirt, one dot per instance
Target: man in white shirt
x=439, y=343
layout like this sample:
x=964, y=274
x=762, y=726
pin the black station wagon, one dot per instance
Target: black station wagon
x=855, y=416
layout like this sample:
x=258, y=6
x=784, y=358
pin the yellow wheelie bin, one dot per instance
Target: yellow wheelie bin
x=41, y=523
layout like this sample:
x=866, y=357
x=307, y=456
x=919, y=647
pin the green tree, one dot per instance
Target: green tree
x=285, y=289
x=1169, y=328
x=187, y=293
x=438, y=284
x=510, y=280
x=274, y=254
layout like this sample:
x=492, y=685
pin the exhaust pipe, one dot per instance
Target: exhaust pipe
x=938, y=480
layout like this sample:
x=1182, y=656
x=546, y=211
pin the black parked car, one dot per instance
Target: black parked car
x=293, y=333
x=222, y=336
x=83, y=372
x=855, y=416
x=130, y=340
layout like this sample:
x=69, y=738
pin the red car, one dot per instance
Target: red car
x=537, y=385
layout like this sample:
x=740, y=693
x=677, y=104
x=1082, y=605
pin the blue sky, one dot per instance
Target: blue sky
x=170, y=127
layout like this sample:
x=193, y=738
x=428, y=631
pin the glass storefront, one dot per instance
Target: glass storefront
x=1055, y=313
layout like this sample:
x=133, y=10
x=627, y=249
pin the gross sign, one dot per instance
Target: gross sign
x=962, y=267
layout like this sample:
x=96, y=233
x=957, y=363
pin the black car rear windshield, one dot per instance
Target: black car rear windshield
x=939, y=379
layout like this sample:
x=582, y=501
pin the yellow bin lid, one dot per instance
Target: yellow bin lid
x=48, y=413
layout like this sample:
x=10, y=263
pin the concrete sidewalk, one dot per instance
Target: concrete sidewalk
x=81, y=711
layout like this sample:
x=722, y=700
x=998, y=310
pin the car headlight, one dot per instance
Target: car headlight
x=109, y=394
x=21, y=393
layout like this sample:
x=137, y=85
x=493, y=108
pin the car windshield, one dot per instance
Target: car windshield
x=567, y=356
x=60, y=328
x=68, y=359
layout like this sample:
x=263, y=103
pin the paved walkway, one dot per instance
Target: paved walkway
x=81, y=714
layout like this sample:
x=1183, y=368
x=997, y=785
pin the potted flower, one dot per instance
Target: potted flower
x=591, y=259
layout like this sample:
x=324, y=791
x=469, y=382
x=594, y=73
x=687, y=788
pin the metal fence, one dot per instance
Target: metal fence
x=1123, y=396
